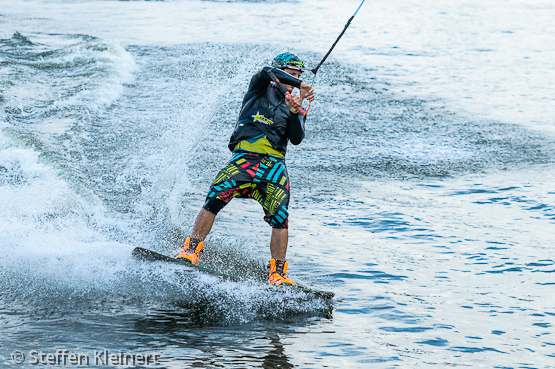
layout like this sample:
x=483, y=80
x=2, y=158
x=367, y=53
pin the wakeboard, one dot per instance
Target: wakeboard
x=149, y=255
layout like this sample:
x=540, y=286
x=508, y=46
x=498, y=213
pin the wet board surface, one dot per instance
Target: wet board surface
x=149, y=255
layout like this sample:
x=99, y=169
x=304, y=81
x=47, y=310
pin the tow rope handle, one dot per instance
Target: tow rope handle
x=284, y=91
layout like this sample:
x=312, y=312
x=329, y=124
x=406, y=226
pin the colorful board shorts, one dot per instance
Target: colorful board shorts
x=250, y=175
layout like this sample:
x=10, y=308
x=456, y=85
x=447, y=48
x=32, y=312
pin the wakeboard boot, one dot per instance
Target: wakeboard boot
x=191, y=250
x=278, y=273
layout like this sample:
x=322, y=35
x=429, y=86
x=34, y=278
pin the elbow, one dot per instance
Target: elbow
x=297, y=140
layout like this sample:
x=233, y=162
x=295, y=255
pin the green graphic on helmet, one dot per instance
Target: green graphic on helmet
x=288, y=60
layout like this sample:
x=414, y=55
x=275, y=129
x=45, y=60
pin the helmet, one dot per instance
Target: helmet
x=288, y=60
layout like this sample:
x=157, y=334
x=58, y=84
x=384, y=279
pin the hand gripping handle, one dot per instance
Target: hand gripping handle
x=301, y=110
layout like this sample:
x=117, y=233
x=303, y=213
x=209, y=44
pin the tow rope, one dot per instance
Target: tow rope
x=315, y=70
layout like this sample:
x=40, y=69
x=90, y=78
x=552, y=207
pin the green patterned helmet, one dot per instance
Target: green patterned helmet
x=288, y=60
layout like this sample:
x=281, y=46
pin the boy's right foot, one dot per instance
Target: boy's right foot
x=278, y=273
x=191, y=250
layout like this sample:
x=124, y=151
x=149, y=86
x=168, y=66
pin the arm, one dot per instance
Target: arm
x=295, y=128
x=262, y=79
x=284, y=77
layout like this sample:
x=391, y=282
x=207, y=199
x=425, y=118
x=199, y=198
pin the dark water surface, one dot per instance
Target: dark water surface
x=433, y=228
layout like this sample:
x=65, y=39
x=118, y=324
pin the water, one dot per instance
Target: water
x=422, y=195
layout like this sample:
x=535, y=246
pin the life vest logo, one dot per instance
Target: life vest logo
x=261, y=119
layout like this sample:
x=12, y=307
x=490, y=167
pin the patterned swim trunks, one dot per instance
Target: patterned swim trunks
x=258, y=176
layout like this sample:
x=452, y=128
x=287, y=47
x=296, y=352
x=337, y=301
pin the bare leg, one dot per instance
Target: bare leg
x=278, y=243
x=203, y=224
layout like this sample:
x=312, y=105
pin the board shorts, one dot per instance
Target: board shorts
x=250, y=175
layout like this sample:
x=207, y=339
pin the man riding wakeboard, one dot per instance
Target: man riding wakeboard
x=270, y=117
